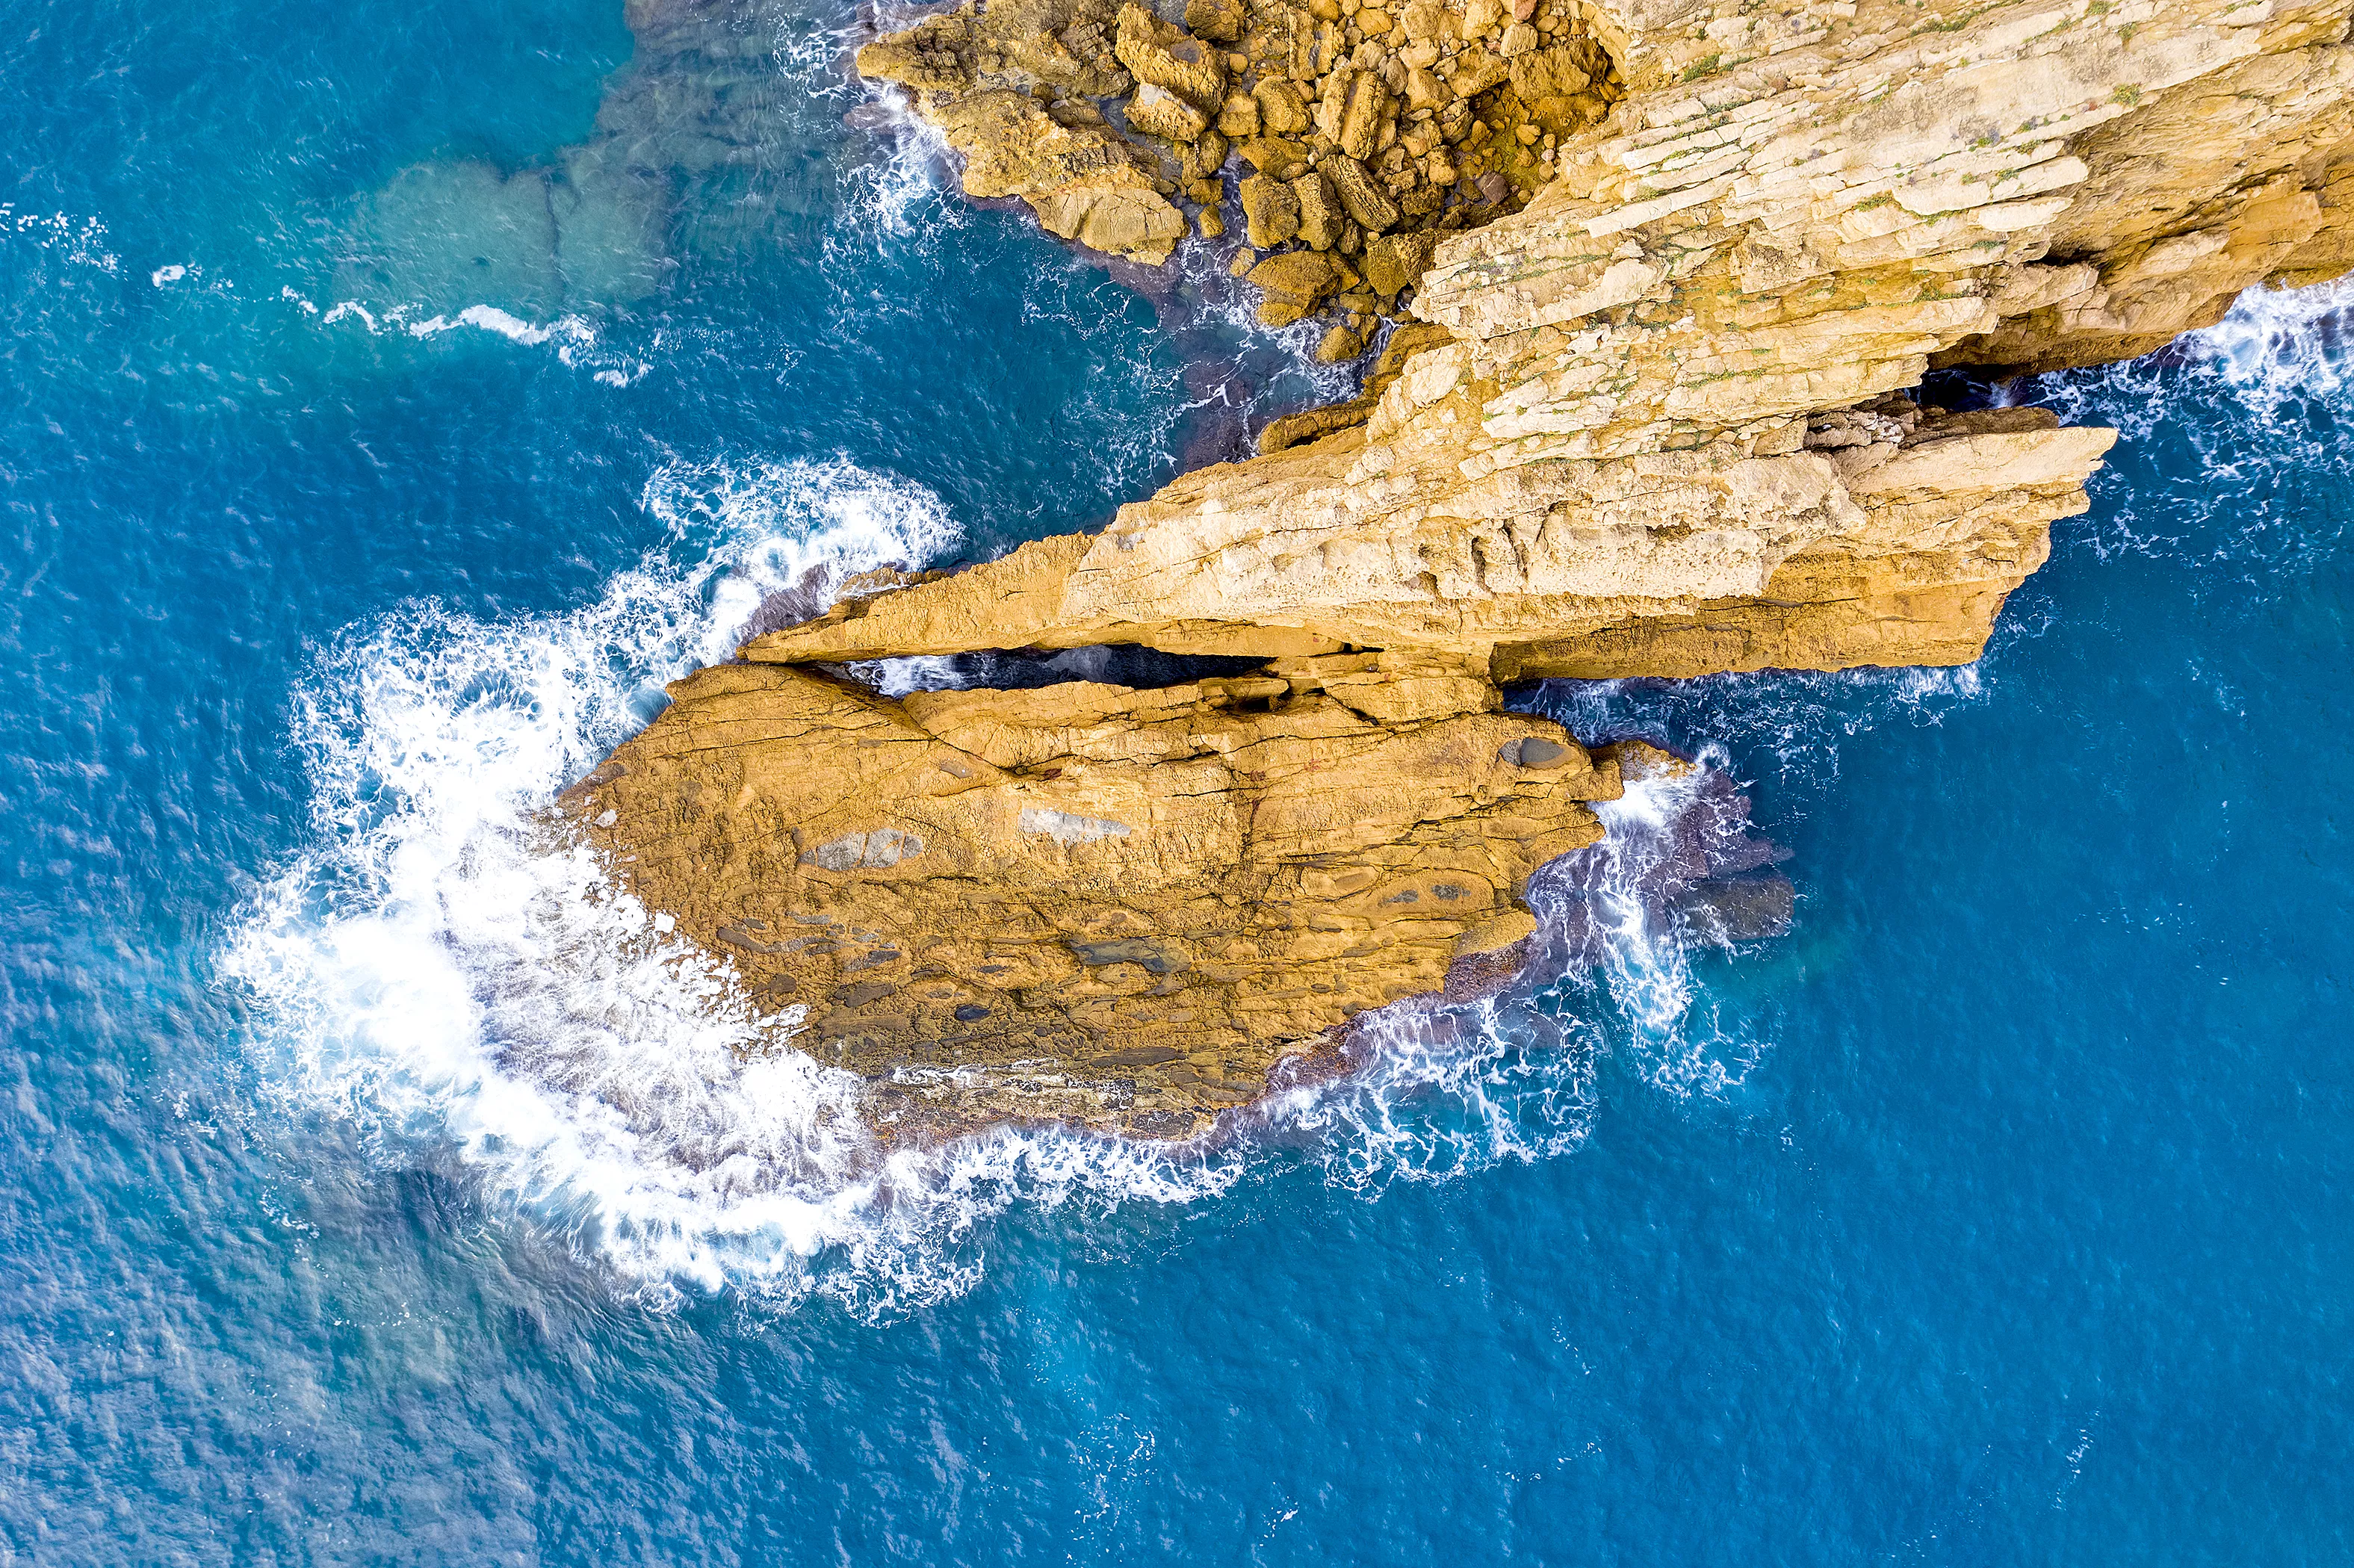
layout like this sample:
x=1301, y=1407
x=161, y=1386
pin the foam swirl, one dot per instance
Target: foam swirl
x=447, y=966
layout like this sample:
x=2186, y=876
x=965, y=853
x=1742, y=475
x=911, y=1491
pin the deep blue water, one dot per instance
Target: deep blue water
x=372, y=1198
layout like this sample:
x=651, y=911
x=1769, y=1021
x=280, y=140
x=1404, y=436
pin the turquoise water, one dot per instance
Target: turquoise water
x=396, y=395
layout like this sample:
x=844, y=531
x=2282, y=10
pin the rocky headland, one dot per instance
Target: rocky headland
x=1670, y=274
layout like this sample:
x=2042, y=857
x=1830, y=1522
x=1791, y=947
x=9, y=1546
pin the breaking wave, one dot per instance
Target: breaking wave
x=1445, y=1090
x=2276, y=346
x=1798, y=718
x=446, y=967
x=575, y=340
x=904, y=191
x=2255, y=404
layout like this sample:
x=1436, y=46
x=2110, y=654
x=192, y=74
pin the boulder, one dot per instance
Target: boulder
x=1157, y=112
x=1275, y=156
x=1295, y=283
x=1222, y=21
x=1341, y=344
x=1361, y=195
x=1271, y=207
x=1321, y=217
x=1118, y=212
x=1396, y=262
x=1282, y=111
x=1169, y=59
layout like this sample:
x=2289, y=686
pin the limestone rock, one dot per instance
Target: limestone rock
x=1295, y=283
x=1199, y=160
x=1475, y=71
x=1157, y=112
x=1675, y=563
x=1221, y=21
x=1652, y=421
x=1083, y=183
x=1166, y=58
x=1315, y=424
x=1092, y=903
x=1364, y=201
x=1321, y=219
x=1341, y=344
x=1277, y=157
x=1271, y=208
x=1118, y=212
x=1352, y=110
x=1281, y=109
x=1060, y=44
x=1046, y=95
x=1765, y=232
x=1395, y=262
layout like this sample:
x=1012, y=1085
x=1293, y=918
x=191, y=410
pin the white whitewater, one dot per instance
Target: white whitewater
x=443, y=964
x=447, y=968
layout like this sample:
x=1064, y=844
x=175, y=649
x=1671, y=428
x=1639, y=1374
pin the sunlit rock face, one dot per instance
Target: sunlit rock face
x=1089, y=901
x=1658, y=424
x=1656, y=416
x=1357, y=140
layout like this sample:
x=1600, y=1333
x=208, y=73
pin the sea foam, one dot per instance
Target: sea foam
x=575, y=340
x=447, y=966
x=443, y=962
x=2260, y=393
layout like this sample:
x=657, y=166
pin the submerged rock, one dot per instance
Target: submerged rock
x=1738, y=909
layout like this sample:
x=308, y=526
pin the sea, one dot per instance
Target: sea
x=393, y=398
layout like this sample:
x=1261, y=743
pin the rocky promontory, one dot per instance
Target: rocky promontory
x=1656, y=410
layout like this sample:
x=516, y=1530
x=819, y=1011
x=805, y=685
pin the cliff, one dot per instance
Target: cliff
x=1653, y=415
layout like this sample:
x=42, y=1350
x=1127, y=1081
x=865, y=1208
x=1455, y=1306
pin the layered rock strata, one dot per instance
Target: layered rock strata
x=1892, y=540
x=1656, y=422
x=1661, y=434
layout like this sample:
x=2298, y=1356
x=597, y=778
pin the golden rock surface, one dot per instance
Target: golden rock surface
x=1086, y=902
x=1652, y=419
x=1418, y=127
x=1897, y=549
x=1663, y=433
